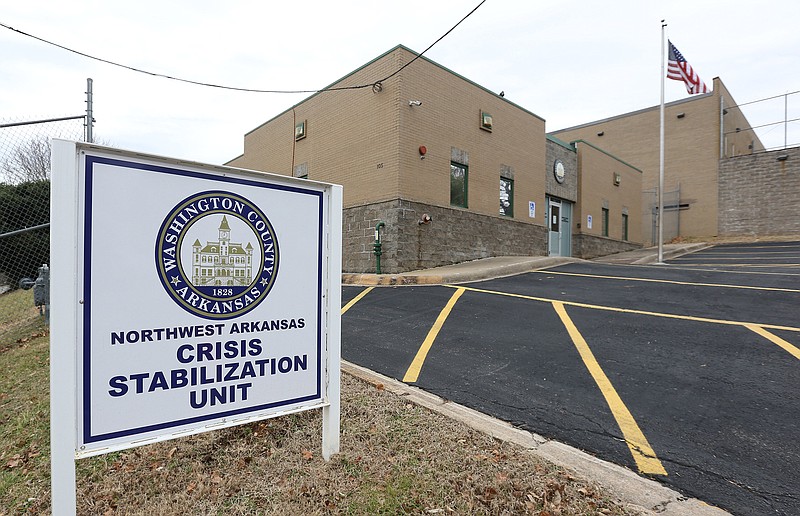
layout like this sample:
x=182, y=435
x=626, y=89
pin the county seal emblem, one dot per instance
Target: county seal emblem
x=217, y=255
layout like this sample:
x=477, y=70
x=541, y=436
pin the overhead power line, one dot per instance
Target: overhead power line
x=234, y=88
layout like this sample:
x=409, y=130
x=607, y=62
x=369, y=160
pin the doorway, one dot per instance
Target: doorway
x=559, y=222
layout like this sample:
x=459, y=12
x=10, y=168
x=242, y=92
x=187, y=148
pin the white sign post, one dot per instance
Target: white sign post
x=186, y=297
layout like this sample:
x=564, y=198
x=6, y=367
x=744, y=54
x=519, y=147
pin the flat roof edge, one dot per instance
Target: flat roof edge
x=632, y=113
x=595, y=147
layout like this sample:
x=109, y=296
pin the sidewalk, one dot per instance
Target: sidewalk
x=649, y=255
x=499, y=266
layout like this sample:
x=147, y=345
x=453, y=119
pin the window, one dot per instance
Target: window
x=605, y=222
x=506, y=197
x=625, y=226
x=458, y=185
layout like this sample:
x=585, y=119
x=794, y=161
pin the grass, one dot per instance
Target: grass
x=396, y=458
x=18, y=317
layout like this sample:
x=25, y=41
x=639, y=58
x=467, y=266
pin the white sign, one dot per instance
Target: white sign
x=589, y=222
x=531, y=209
x=208, y=296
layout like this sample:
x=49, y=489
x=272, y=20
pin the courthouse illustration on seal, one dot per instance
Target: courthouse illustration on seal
x=222, y=262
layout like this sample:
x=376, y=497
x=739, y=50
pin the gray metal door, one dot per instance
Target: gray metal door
x=554, y=226
x=566, y=229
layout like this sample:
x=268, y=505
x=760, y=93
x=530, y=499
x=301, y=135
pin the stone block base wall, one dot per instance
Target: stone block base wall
x=759, y=194
x=590, y=246
x=452, y=236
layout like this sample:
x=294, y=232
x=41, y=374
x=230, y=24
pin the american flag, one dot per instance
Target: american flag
x=679, y=70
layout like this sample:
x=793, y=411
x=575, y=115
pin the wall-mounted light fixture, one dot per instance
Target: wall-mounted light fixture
x=300, y=130
x=414, y=102
x=681, y=115
x=617, y=178
x=422, y=151
x=486, y=121
x=782, y=157
x=425, y=219
x=601, y=133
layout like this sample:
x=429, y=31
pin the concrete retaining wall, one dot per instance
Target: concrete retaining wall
x=759, y=194
x=452, y=236
x=590, y=246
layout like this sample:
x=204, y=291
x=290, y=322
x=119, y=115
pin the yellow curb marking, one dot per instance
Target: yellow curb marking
x=356, y=299
x=640, y=448
x=416, y=365
x=775, y=340
x=650, y=280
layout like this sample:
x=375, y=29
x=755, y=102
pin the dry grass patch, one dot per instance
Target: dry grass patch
x=19, y=319
x=397, y=458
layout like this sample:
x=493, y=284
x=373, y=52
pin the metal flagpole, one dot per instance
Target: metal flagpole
x=661, y=160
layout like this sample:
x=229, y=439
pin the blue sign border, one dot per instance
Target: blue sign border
x=90, y=162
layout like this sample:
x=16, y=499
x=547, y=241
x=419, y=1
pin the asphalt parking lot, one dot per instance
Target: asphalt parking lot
x=687, y=373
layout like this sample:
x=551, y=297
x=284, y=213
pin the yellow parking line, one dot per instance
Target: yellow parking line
x=640, y=448
x=356, y=299
x=724, y=248
x=753, y=265
x=721, y=257
x=672, y=282
x=690, y=267
x=747, y=251
x=416, y=365
x=775, y=340
x=759, y=273
x=631, y=311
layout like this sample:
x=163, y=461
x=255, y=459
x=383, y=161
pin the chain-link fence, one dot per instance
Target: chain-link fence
x=25, y=222
x=774, y=120
x=672, y=215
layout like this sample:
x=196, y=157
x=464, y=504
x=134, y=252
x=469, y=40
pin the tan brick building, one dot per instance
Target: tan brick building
x=699, y=132
x=454, y=171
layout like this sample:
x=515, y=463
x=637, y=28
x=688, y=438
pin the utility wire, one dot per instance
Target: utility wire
x=234, y=88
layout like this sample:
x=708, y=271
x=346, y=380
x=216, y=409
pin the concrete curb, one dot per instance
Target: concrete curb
x=488, y=268
x=647, y=496
x=672, y=253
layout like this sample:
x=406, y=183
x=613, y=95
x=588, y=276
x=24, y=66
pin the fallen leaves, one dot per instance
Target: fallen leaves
x=21, y=460
x=14, y=461
x=32, y=336
x=397, y=457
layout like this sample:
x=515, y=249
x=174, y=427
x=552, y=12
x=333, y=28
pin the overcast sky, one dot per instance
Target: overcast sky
x=568, y=62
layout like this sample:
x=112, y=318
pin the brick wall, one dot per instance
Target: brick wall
x=760, y=195
x=692, y=150
x=599, y=190
x=453, y=236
